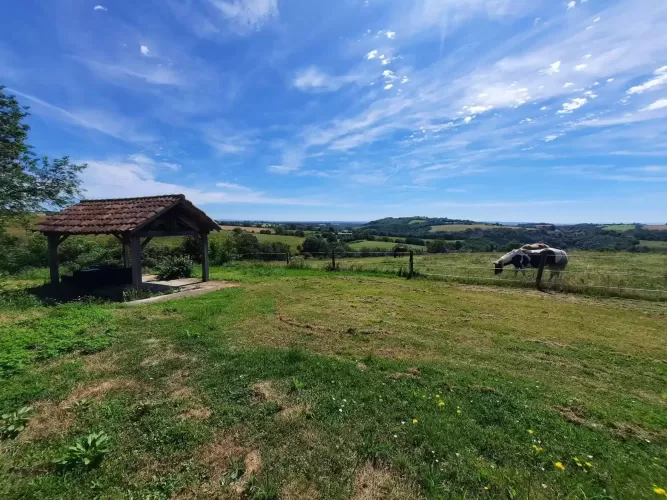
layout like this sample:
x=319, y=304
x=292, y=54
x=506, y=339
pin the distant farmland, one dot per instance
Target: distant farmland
x=463, y=227
x=248, y=229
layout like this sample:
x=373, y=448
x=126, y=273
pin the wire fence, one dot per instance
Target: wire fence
x=623, y=275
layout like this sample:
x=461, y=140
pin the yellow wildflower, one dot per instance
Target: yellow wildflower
x=414, y=421
x=486, y=488
x=530, y=431
x=559, y=466
x=441, y=403
x=660, y=491
x=458, y=412
x=538, y=448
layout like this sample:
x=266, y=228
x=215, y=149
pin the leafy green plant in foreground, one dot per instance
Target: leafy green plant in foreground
x=87, y=452
x=13, y=423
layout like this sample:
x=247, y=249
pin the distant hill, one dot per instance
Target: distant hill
x=413, y=226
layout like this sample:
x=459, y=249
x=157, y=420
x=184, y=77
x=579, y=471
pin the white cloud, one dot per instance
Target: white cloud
x=372, y=54
x=571, y=5
x=579, y=67
x=247, y=16
x=389, y=74
x=660, y=104
x=587, y=56
x=100, y=7
x=544, y=108
x=552, y=69
x=405, y=79
x=230, y=185
x=388, y=86
x=314, y=80
x=658, y=81
x=282, y=169
x=553, y=137
x=129, y=178
x=570, y=106
x=145, y=50
x=389, y=34
x=386, y=61
x=475, y=110
x=467, y=119
x=105, y=122
x=609, y=80
x=568, y=85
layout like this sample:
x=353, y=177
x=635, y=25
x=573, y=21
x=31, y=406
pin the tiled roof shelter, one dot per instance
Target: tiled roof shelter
x=129, y=220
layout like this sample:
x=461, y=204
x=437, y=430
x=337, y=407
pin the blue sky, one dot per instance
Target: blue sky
x=511, y=110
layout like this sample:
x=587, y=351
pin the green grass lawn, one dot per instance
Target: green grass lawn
x=307, y=384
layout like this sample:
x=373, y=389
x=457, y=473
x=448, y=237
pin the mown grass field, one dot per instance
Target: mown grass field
x=619, y=227
x=655, y=244
x=308, y=384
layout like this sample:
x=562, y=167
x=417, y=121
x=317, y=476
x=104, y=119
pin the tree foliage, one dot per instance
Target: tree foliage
x=29, y=183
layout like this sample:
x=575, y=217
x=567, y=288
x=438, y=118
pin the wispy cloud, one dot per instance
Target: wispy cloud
x=312, y=79
x=247, y=16
x=100, y=7
x=659, y=80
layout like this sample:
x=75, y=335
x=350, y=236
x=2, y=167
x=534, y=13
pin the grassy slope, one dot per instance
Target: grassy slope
x=619, y=227
x=586, y=377
x=463, y=227
x=380, y=244
x=654, y=244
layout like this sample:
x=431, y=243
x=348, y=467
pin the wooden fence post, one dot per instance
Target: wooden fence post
x=411, y=264
x=287, y=258
x=333, y=259
x=540, y=271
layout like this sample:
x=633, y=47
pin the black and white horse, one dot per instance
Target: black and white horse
x=522, y=259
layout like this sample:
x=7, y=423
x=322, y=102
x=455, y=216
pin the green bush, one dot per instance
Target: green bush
x=175, y=267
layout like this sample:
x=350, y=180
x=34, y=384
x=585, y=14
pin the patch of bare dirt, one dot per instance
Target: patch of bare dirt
x=372, y=483
x=52, y=418
x=292, y=411
x=102, y=362
x=165, y=354
x=575, y=415
x=267, y=391
x=253, y=464
x=196, y=413
x=551, y=343
x=182, y=393
x=217, y=458
x=361, y=366
x=627, y=430
x=299, y=490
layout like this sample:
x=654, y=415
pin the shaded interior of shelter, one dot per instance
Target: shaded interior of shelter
x=49, y=293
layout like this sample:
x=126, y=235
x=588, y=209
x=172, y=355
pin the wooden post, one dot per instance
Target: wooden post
x=53, y=240
x=126, y=251
x=287, y=258
x=411, y=264
x=135, y=247
x=333, y=259
x=540, y=271
x=204, y=257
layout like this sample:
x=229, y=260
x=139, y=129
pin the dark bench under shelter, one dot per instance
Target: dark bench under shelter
x=134, y=221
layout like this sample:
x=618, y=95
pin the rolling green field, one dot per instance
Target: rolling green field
x=306, y=384
x=463, y=227
x=619, y=227
x=388, y=245
x=655, y=244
